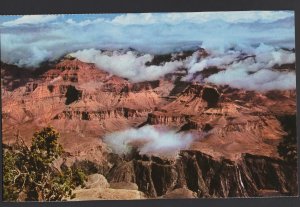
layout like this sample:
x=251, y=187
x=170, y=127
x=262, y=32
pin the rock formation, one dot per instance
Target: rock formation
x=236, y=132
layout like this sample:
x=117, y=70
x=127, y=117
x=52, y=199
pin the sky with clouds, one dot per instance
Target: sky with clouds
x=44, y=37
x=30, y=40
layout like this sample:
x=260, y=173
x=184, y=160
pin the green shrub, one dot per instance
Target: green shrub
x=31, y=171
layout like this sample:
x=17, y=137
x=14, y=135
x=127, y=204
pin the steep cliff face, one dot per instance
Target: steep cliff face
x=190, y=102
x=206, y=176
x=13, y=77
x=101, y=114
x=159, y=117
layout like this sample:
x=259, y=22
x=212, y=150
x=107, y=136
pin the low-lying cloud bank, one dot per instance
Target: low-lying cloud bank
x=148, y=140
x=27, y=41
x=127, y=65
x=250, y=68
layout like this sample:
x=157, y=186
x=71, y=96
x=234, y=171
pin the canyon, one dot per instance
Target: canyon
x=236, y=131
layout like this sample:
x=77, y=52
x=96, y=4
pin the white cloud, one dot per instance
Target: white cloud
x=217, y=32
x=253, y=73
x=142, y=18
x=201, y=17
x=128, y=65
x=85, y=22
x=271, y=56
x=149, y=140
x=256, y=73
x=164, y=18
x=70, y=35
x=218, y=61
x=262, y=80
x=31, y=19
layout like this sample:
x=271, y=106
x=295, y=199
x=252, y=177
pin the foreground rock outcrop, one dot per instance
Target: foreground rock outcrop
x=97, y=188
x=207, y=177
